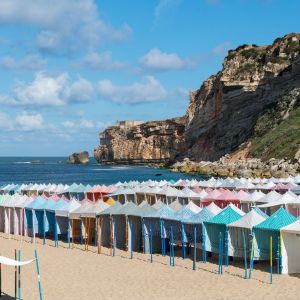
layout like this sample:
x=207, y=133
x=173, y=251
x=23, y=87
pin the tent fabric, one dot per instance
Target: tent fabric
x=290, y=248
x=11, y=262
x=193, y=207
x=218, y=224
x=241, y=229
x=266, y=229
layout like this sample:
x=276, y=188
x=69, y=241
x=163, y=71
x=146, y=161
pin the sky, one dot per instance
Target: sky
x=70, y=68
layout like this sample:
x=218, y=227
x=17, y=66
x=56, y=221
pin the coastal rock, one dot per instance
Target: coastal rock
x=141, y=143
x=79, y=158
x=223, y=113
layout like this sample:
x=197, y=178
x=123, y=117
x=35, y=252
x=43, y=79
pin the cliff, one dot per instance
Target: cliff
x=228, y=108
x=238, y=110
x=142, y=143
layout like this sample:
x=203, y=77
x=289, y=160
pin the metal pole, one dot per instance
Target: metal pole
x=38, y=274
x=151, y=258
x=19, y=276
x=245, y=255
x=195, y=248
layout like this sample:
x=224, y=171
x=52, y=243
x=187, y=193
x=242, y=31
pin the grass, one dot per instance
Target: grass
x=282, y=141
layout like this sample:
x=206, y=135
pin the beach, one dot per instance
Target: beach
x=77, y=274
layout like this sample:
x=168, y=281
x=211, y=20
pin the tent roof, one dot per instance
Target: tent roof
x=36, y=203
x=226, y=216
x=292, y=228
x=98, y=207
x=158, y=204
x=165, y=212
x=276, y=221
x=252, y=218
x=144, y=211
x=193, y=207
x=213, y=208
x=67, y=208
x=175, y=205
x=202, y=216
x=184, y=214
x=86, y=206
x=288, y=198
x=111, y=210
x=270, y=197
x=127, y=209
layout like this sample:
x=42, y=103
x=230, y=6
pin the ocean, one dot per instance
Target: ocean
x=57, y=170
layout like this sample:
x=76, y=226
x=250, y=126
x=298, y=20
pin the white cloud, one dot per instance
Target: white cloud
x=164, y=7
x=222, y=49
x=157, y=60
x=31, y=62
x=101, y=61
x=47, y=90
x=148, y=90
x=80, y=91
x=5, y=121
x=64, y=25
x=68, y=124
x=29, y=122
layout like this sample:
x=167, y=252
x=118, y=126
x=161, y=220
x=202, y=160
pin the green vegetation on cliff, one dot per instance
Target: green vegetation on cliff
x=281, y=141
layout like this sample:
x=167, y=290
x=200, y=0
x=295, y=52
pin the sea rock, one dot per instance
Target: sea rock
x=79, y=158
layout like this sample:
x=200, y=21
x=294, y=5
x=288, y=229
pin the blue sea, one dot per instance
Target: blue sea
x=57, y=170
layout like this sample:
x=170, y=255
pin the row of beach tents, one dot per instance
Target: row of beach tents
x=82, y=191
x=157, y=227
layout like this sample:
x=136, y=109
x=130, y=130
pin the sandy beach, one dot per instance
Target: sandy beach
x=77, y=274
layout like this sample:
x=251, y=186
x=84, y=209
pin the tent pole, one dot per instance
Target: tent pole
x=195, y=248
x=245, y=255
x=111, y=235
x=99, y=235
x=203, y=244
x=151, y=256
x=72, y=233
x=81, y=232
x=131, y=242
x=19, y=276
x=280, y=252
x=69, y=233
x=126, y=222
x=44, y=227
x=88, y=234
x=182, y=241
x=85, y=233
x=38, y=274
x=226, y=246
x=15, y=275
x=143, y=231
x=114, y=237
x=271, y=279
x=251, y=255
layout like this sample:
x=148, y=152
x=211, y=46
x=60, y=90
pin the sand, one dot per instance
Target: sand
x=77, y=274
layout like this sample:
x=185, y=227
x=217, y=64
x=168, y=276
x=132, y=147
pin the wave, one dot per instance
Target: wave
x=22, y=162
x=112, y=169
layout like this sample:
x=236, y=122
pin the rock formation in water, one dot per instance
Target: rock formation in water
x=141, y=143
x=238, y=109
x=79, y=158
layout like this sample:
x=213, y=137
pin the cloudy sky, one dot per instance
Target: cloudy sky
x=69, y=68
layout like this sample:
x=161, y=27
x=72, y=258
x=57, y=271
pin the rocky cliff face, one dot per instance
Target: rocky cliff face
x=149, y=142
x=223, y=113
x=256, y=89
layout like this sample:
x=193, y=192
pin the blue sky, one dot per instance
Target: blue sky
x=70, y=68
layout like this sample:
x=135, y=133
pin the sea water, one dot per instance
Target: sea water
x=57, y=170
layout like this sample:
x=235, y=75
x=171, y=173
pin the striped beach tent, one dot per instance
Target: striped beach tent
x=218, y=226
x=270, y=227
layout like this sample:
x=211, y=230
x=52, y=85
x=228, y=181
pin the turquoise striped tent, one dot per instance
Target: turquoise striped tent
x=218, y=225
x=270, y=227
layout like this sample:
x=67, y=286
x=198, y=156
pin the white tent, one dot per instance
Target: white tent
x=290, y=248
x=237, y=228
x=193, y=207
x=214, y=208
